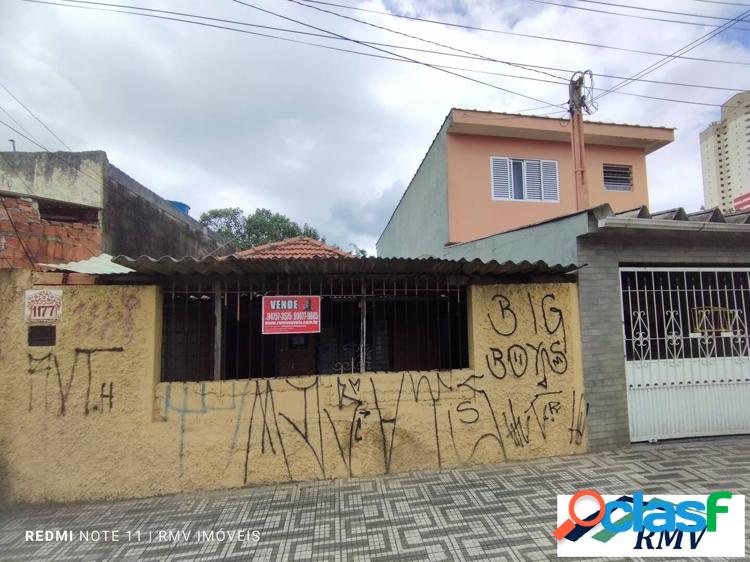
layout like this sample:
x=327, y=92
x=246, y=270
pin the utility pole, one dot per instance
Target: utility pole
x=580, y=100
x=13, y=144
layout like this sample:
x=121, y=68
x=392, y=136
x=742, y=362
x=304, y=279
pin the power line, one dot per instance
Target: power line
x=287, y=18
x=42, y=123
x=443, y=45
x=468, y=52
x=512, y=33
x=673, y=100
x=722, y=3
x=23, y=135
x=656, y=10
x=20, y=126
x=690, y=46
x=96, y=182
x=651, y=18
x=400, y=59
x=13, y=223
x=632, y=94
x=369, y=44
x=380, y=44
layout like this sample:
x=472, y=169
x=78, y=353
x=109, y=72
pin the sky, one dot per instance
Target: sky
x=217, y=118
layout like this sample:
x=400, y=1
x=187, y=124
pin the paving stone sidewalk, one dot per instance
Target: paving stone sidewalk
x=497, y=512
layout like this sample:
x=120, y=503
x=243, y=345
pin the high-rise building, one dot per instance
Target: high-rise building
x=725, y=156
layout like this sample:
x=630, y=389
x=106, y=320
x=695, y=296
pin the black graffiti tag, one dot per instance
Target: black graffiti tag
x=497, y=362
x=518, y=360
x=506, y=323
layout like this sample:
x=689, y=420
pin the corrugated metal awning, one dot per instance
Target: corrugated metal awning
x=102, y=264
x=231, y=265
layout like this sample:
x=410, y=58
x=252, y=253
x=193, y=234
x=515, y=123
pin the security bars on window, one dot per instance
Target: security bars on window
x=671, y=314
x=212, y=330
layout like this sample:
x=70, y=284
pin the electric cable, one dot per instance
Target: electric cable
x=504, y=32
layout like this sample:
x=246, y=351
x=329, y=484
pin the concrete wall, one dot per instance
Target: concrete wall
x=72, y=177
x=601, y=316
x=136, y=221
x=419, y=224
x=87, y=419
x=552, y=242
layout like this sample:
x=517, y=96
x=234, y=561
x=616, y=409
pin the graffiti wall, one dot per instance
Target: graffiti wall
x=97, y=424
x=75, y=415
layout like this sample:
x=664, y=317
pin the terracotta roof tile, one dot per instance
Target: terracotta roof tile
x=297, y=247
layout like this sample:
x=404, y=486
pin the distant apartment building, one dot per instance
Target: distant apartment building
x=488, y=173
x=57, y=207
x=725, y=156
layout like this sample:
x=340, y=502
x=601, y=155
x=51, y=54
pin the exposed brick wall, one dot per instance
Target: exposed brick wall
x=47, y=241
x=601, y=316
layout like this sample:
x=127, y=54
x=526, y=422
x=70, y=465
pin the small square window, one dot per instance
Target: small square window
x=618, y=177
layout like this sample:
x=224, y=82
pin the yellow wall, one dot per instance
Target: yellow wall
x=166, y=437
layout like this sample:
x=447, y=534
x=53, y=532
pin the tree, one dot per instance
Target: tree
x=261, y=227
x=357, y=251
x=229, y=223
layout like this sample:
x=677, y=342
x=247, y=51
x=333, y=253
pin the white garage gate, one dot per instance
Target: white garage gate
x=687, y=351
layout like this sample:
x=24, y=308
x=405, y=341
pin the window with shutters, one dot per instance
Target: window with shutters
x=524, y=180
x=618, y=177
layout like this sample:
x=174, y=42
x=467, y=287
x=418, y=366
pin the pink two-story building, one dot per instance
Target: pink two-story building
x=488, y=173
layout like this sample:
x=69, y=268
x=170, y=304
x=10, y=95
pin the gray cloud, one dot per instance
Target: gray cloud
x=368, y=218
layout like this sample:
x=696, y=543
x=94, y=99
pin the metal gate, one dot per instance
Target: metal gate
x=687, y=351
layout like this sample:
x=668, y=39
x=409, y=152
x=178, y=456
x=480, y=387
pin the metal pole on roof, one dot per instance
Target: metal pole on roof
x=580, y=100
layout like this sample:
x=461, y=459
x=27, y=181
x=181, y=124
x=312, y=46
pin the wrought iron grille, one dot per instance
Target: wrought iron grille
x=212, y=329
x=688, y=313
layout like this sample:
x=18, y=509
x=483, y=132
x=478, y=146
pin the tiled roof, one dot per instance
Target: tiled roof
x=297, y=247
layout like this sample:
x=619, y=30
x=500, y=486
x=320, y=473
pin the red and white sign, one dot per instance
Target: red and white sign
x=291, y=315
x=742, y=203
x=43, y=305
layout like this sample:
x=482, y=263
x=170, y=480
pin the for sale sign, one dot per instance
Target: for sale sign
x=291, y=314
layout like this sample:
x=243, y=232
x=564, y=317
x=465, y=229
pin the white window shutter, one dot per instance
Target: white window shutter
x=550, y=181
x=533, y=178
x=500, y=170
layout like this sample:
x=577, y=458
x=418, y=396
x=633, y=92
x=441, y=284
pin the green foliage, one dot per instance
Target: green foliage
x=261, y=227
x=228, y=223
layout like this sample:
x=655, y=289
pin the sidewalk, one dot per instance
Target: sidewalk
x=498, y=512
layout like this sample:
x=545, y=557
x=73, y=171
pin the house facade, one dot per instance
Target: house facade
x=490, y=172
x=664, y=303
x=165, y=379
x=59, y=207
